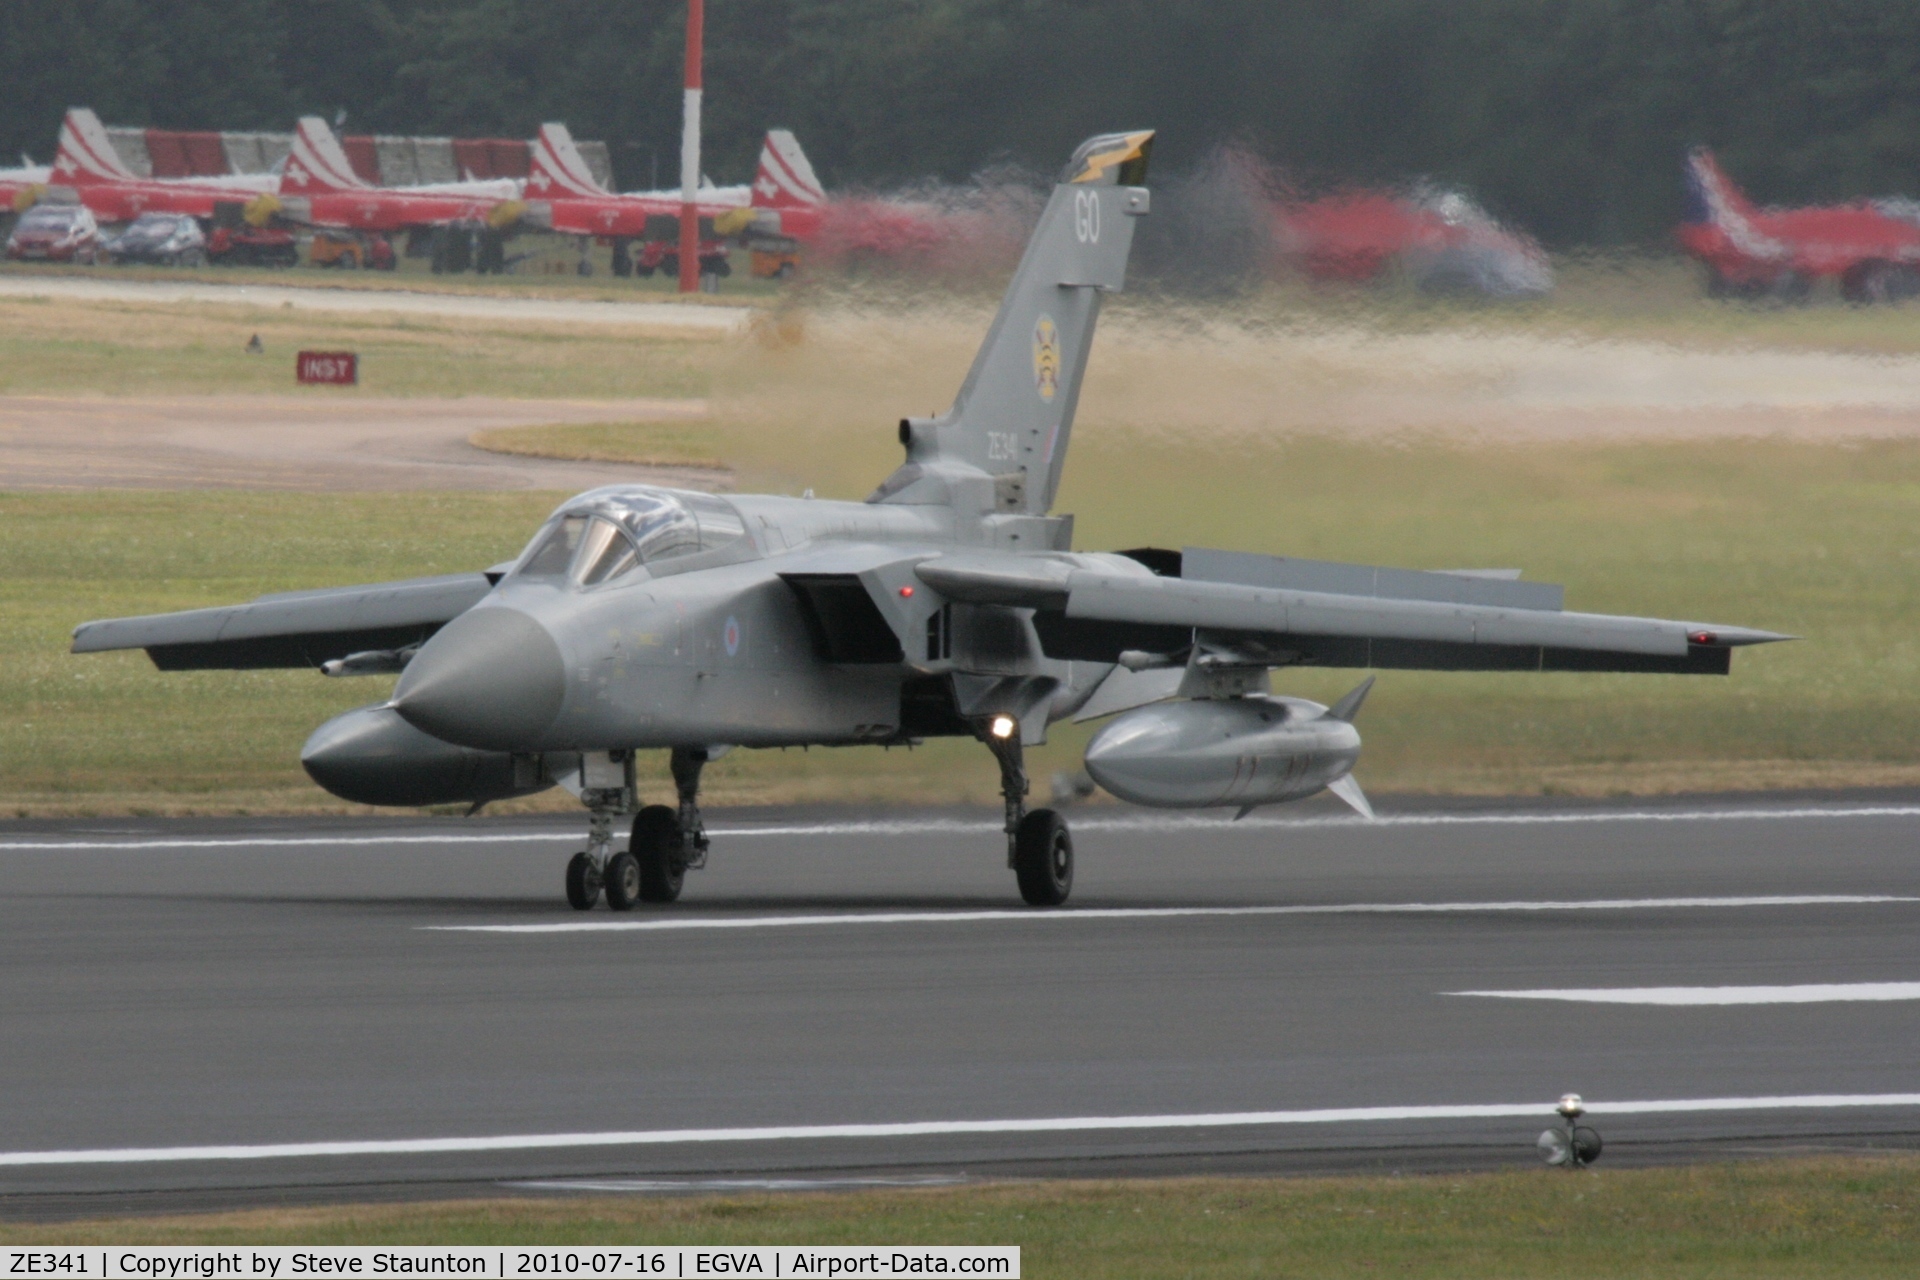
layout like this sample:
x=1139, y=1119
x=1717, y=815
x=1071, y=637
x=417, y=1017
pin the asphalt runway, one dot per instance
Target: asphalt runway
x=243, y=1011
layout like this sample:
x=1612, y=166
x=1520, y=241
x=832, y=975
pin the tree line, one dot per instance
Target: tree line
x=1568, y=116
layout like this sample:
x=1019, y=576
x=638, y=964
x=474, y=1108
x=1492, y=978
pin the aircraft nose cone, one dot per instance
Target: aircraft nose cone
x=492, y=678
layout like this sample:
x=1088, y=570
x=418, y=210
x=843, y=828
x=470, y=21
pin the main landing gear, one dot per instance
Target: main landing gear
x=665, y=845
x=1039, y=847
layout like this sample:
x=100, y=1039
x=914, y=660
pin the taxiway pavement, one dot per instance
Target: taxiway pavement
x=338, y=1008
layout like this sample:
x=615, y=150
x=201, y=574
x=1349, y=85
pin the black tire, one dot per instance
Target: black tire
x=656, y=845
x=583, y=882
x=625, y=885
x=1043, y=858
x=670, y=266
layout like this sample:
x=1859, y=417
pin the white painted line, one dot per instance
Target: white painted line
x=953, y=826
x=936, y=1128
x=703, y=320
x=1804, y=993
x=605, y=925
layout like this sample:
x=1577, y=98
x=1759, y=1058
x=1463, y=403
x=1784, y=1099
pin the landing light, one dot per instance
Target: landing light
x=1002, y=726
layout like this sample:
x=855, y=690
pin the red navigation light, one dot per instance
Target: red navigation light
x=1702, y=637
x=906, y=593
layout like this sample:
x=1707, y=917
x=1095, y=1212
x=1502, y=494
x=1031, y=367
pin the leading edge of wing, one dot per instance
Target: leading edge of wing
x=294, y=629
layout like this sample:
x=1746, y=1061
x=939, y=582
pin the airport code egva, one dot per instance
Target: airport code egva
x=182, y=1262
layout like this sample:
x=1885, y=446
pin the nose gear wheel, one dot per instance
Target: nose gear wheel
x=583, y=881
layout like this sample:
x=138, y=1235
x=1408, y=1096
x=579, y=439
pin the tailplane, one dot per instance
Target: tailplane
x=86, y=153
x=318, y=164
x=1014, y=413
x=557, y=170
x=785, y=178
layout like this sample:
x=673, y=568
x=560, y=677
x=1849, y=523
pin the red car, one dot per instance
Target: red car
x=55, y=233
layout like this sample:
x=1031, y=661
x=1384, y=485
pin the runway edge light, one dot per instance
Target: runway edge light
x=1571, y=1145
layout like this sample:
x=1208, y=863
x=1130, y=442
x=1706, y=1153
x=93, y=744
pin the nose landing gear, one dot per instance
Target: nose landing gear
x=666, y=842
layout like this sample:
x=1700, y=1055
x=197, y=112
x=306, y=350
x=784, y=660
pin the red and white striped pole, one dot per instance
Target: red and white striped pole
x=690, y=151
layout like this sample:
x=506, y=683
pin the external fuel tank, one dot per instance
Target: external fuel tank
x=1252, y=750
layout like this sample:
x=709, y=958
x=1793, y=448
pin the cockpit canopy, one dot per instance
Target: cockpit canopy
x=608, y=533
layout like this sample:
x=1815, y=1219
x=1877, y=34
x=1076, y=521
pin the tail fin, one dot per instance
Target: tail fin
x=785, y=179
x=556, y=170
x=86, y=153
x=1713, y=199
x=1014, y=413
x=318, y=164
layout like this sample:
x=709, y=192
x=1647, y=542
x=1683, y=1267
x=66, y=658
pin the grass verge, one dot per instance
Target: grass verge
x=1798, y=1218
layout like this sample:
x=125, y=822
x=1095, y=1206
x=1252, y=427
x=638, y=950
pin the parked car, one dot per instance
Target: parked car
x=55, y=233
x=169, y=239
x=245, y=246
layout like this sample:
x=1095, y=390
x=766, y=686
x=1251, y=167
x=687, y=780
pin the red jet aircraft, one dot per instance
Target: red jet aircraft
x=1871, y=246
x=1443, y=239
x=784, y=190
x=318, y=186
x=87, y=165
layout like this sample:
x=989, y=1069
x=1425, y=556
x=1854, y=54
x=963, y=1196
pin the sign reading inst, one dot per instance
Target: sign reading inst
x=328, y=368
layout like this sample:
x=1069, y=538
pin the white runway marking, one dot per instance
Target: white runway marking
x=605, y=925
x=953, y=826
x=709, y=320
x=1805, y=993
x=934, y=1128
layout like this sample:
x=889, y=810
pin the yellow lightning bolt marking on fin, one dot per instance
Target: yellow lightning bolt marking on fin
x=1098, y=163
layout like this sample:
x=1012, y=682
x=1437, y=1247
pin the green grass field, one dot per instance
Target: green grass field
x=1856, y=1218
x=1175, y=446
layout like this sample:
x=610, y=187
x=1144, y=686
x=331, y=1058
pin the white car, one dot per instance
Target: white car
x=169, y=239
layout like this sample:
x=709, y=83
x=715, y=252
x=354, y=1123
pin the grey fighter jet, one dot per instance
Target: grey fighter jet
x=948, y=603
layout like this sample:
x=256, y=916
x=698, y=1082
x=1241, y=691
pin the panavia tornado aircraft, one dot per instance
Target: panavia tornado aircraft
x=948, y=603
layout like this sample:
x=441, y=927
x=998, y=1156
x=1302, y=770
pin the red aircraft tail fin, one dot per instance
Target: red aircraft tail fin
x=556, y=170
x=318, y=164
x=785, y=179
x=86, y=153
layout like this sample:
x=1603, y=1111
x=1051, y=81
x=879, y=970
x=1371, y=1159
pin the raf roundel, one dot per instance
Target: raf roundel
x=730, y=637
x=1046, y=357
